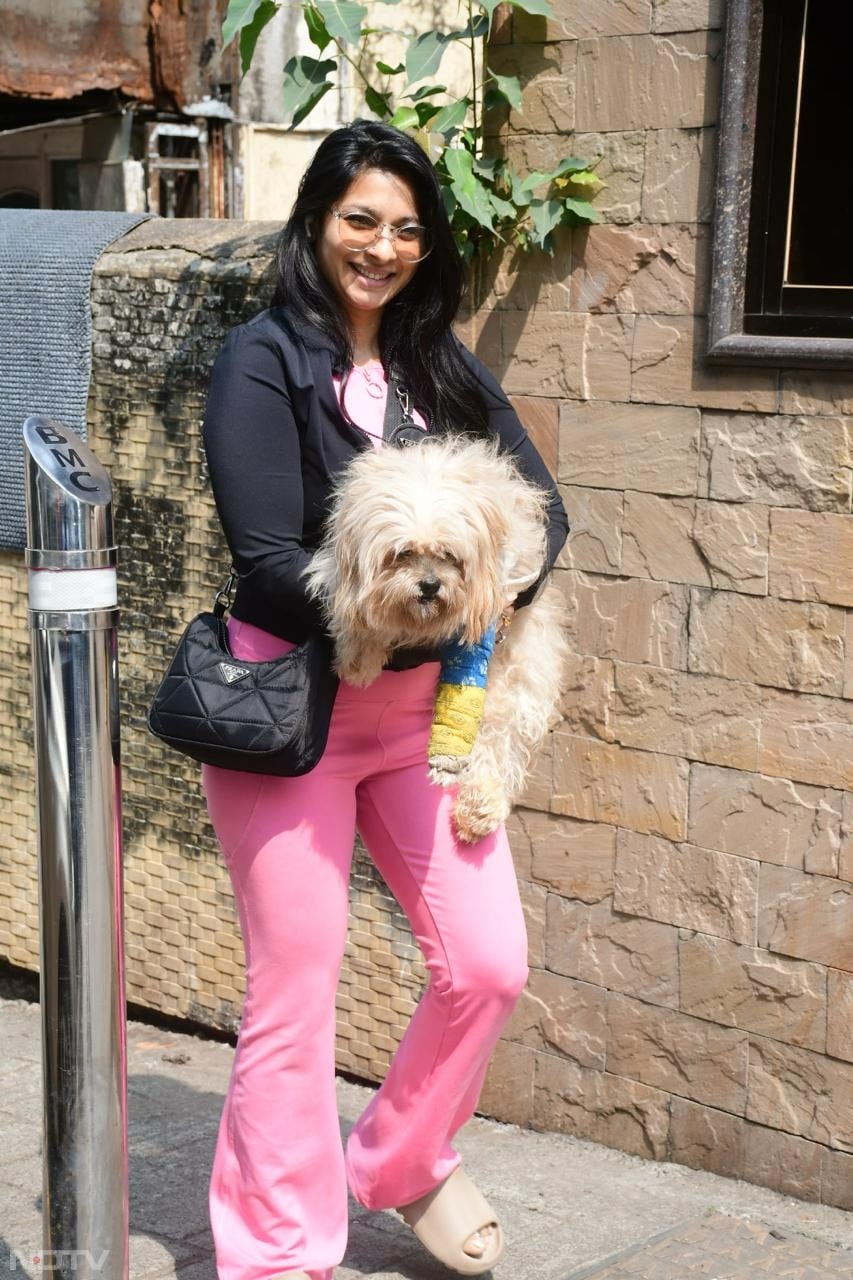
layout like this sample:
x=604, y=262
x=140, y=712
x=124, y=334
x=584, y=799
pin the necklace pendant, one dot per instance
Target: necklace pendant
x=374, y=391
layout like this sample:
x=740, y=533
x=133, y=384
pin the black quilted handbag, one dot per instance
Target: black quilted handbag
x=258, y=717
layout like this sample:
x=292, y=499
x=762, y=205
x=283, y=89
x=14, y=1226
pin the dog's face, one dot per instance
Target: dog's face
x=420, y=539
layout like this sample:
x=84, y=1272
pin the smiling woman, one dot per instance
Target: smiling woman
x=369, y=284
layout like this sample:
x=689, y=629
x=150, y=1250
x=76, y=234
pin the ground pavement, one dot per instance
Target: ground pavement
x=571, y=1210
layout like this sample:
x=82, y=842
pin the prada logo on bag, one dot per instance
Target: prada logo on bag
x=232, y=674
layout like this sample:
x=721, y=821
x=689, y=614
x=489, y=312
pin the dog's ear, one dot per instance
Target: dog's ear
x=483, y=576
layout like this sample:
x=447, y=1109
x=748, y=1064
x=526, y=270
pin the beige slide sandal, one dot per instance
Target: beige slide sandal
x=445, y=1217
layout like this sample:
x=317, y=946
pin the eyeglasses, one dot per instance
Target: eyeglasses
x=359, y=230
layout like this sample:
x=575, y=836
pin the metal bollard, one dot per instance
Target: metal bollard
x=71, y=559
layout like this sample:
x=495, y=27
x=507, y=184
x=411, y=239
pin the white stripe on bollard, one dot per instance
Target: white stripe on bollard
x=71, y=589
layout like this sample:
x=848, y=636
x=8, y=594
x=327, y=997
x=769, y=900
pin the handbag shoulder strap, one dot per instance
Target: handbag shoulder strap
x=223, y=595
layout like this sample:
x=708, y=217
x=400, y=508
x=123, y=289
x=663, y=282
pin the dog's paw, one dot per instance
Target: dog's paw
x=444, y=771
x=480, y=809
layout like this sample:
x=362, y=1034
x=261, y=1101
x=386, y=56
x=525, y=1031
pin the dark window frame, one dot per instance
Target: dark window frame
x=736, y=208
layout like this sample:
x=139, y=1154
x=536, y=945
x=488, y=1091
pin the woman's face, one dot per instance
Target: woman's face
x=366, y=279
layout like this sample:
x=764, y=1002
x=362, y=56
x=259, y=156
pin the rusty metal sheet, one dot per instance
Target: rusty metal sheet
x=160, y=51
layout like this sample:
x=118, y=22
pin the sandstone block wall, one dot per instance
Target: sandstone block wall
x=686, y=849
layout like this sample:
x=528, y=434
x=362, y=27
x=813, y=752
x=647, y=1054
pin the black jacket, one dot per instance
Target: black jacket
x=275, y=439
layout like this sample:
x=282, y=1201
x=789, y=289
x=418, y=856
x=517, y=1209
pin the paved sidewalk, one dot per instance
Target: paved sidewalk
x=571, y=1210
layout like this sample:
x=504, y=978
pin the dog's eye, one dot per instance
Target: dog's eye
x=450, y=557
x=404, y=553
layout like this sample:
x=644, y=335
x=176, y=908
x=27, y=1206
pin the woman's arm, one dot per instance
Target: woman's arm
x=506, y=425
x=253, y=455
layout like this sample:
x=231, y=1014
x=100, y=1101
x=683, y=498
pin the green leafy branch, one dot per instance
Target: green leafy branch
x=488, y=203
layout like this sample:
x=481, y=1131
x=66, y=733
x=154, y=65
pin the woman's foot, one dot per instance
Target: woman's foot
x=457, y=1225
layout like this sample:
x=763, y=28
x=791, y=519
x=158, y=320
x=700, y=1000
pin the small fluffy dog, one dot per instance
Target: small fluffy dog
x=431, y=542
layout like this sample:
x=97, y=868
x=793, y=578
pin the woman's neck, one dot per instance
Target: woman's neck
x=364, y=335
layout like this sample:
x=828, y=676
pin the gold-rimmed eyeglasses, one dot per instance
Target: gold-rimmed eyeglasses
x=358, y=230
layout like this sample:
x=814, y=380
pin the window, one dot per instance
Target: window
x=782, y=287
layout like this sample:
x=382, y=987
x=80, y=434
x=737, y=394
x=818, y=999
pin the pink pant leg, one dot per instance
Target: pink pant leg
x=278, y=1192
x=465, y=911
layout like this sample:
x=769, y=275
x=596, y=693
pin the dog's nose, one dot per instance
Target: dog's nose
x=429, y=588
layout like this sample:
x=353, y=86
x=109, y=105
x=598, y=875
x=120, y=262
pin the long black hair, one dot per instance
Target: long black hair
x=415, y=335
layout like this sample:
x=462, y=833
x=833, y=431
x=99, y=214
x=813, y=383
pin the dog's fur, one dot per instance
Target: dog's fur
x=427, y=542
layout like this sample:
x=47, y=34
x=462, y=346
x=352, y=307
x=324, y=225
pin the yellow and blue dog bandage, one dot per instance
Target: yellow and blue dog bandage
x=460, y=698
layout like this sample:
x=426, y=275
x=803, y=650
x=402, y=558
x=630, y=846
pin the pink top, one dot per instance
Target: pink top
x=365, y=395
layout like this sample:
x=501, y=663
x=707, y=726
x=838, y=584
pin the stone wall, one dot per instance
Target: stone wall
x=687, y=854
x=681, y=849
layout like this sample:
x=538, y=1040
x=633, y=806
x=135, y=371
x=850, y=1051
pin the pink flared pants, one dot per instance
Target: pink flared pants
x=278, y=1188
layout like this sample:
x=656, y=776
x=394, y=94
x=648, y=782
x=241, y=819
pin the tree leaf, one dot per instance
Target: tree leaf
x=240, y=14
x=452, y=116
x=264, y=13
x=489, y=6
x=478, y=28
x=305, y=84
x=379, y=103
x=467, y=187
x=509, y=87
x=581, y=209
x=343, y=18
x=317, y=32
x=384, y=67
x=425, y=52
x=426, y=91
x=503, y=208
x=405, y=118
x=427, y=111
x=545, y=214
x=571, y=164
x=520, y=195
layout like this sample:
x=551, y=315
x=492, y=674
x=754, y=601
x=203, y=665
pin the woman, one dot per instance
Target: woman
x=369, y=281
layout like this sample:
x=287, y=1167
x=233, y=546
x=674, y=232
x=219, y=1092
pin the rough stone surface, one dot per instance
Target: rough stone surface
x=701, y=717
x=839, y=1030
x=677, y=1053
x=678, y=184
x=621, y=446
x=605, y=1108
x=845, y=855
x=734, y=541
x=773, y=642
x=600, y=782
x=772, y=819
x=547, y=72
x=746, y=987
x=806, y=915
x=705, y=1138
x=576, y=19
x=657, y=540
x=508, y=1086
x=559, y=1014
x=806, y=737
x=542, y=353
x=587, y=703
x=534, y=904
x=595, y=538
x=687, y=15
x=669, y=367
x=659, y=82
x=651, y=269
x=618, y=158
x=569, y=857
x=684, y=885
x=779, y=1160
x=815, y=391
x=810, y=556
x=615, y=951
x=628, y=618
x=605, y=369
x=801, y=1092
x=781, y=461
x=541, y=418
x=836, y=1180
